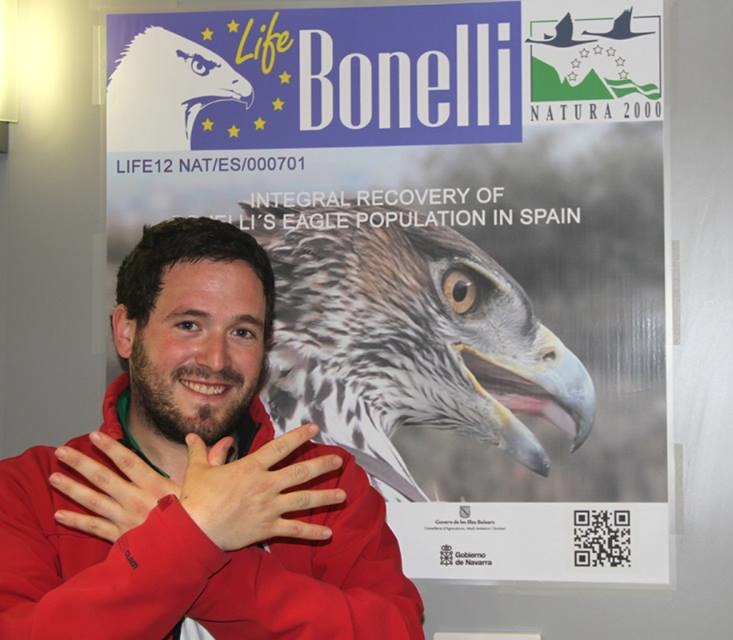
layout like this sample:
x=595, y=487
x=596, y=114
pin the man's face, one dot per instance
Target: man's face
x=196, y=364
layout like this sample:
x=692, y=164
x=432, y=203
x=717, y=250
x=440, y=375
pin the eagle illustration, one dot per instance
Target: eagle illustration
x=160, y=84
x=380, y=329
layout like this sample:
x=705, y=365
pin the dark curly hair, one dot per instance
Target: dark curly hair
x=139, y=278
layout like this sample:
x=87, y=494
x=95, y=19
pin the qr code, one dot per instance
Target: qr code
x=602, y=538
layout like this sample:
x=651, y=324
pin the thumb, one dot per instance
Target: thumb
x=196, y=450
x=217, y=455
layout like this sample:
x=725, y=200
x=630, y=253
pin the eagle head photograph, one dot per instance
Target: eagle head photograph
x=381, y=330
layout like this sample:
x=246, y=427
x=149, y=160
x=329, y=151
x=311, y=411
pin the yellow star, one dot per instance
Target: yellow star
x=207, y=34
x=233, y=26
x=277, y=104
x=233, y=131
x=284, y=77
x=260, y=124
x=208, y=125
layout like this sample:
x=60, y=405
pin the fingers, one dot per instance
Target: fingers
x=98, y=475
x=285, y=528
x=281, y=447
x=220, y=451
x=89, y=524
x=94, y=501
x=301, y=472
x=302, y=500
x=125, y=460
x=117, y=504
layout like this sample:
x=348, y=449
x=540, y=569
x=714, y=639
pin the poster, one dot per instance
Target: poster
x=464, y=206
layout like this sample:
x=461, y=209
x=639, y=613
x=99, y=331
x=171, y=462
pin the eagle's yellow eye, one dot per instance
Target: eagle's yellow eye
x=459, y=289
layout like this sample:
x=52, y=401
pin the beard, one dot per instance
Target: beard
x=153, y=395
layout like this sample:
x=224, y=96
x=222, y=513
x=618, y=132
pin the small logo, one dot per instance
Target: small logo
x=131, y=559
x=609, y=66
x=446, y=555
x=464, y=511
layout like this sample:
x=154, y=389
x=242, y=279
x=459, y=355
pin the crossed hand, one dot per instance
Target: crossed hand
x=235, y=504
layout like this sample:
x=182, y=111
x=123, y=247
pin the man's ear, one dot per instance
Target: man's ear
x=123, y=331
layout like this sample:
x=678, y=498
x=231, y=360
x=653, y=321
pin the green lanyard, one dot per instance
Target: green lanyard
x=123, y=409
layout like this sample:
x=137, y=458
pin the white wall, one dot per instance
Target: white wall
x=52, y=320
x=53, y=204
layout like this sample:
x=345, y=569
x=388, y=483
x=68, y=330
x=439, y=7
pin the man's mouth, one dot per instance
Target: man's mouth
x=205, y=388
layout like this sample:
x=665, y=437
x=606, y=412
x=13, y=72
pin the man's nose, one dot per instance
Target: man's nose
x=213, y=353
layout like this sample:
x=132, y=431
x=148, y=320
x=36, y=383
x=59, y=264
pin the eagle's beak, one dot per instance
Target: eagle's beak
x=552, y=384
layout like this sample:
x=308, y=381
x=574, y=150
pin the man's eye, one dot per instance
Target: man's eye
x=187, y=325
x=244, y=333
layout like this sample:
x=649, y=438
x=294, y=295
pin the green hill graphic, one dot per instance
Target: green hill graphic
x=547, y=85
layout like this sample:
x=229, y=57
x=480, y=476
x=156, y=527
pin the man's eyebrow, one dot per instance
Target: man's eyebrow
x=248, y=319
x=198, y=313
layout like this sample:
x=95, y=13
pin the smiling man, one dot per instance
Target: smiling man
x=196, y=522
x=195, y=361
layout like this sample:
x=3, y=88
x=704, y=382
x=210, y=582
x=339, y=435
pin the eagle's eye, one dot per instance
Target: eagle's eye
x=201, y=66
x=459, y=289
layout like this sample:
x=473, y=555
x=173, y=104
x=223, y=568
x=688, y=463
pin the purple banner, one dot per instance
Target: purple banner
x=374, y=76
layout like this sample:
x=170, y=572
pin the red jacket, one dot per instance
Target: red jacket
x=56, y=582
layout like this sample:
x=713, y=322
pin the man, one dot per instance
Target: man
x=214, y=524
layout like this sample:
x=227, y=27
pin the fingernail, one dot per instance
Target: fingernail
x=61, y=453
x=95, y=437
x=326, y=533
x=340, y=495
x=61, y=517
x=54, y=479
x=337, y=462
